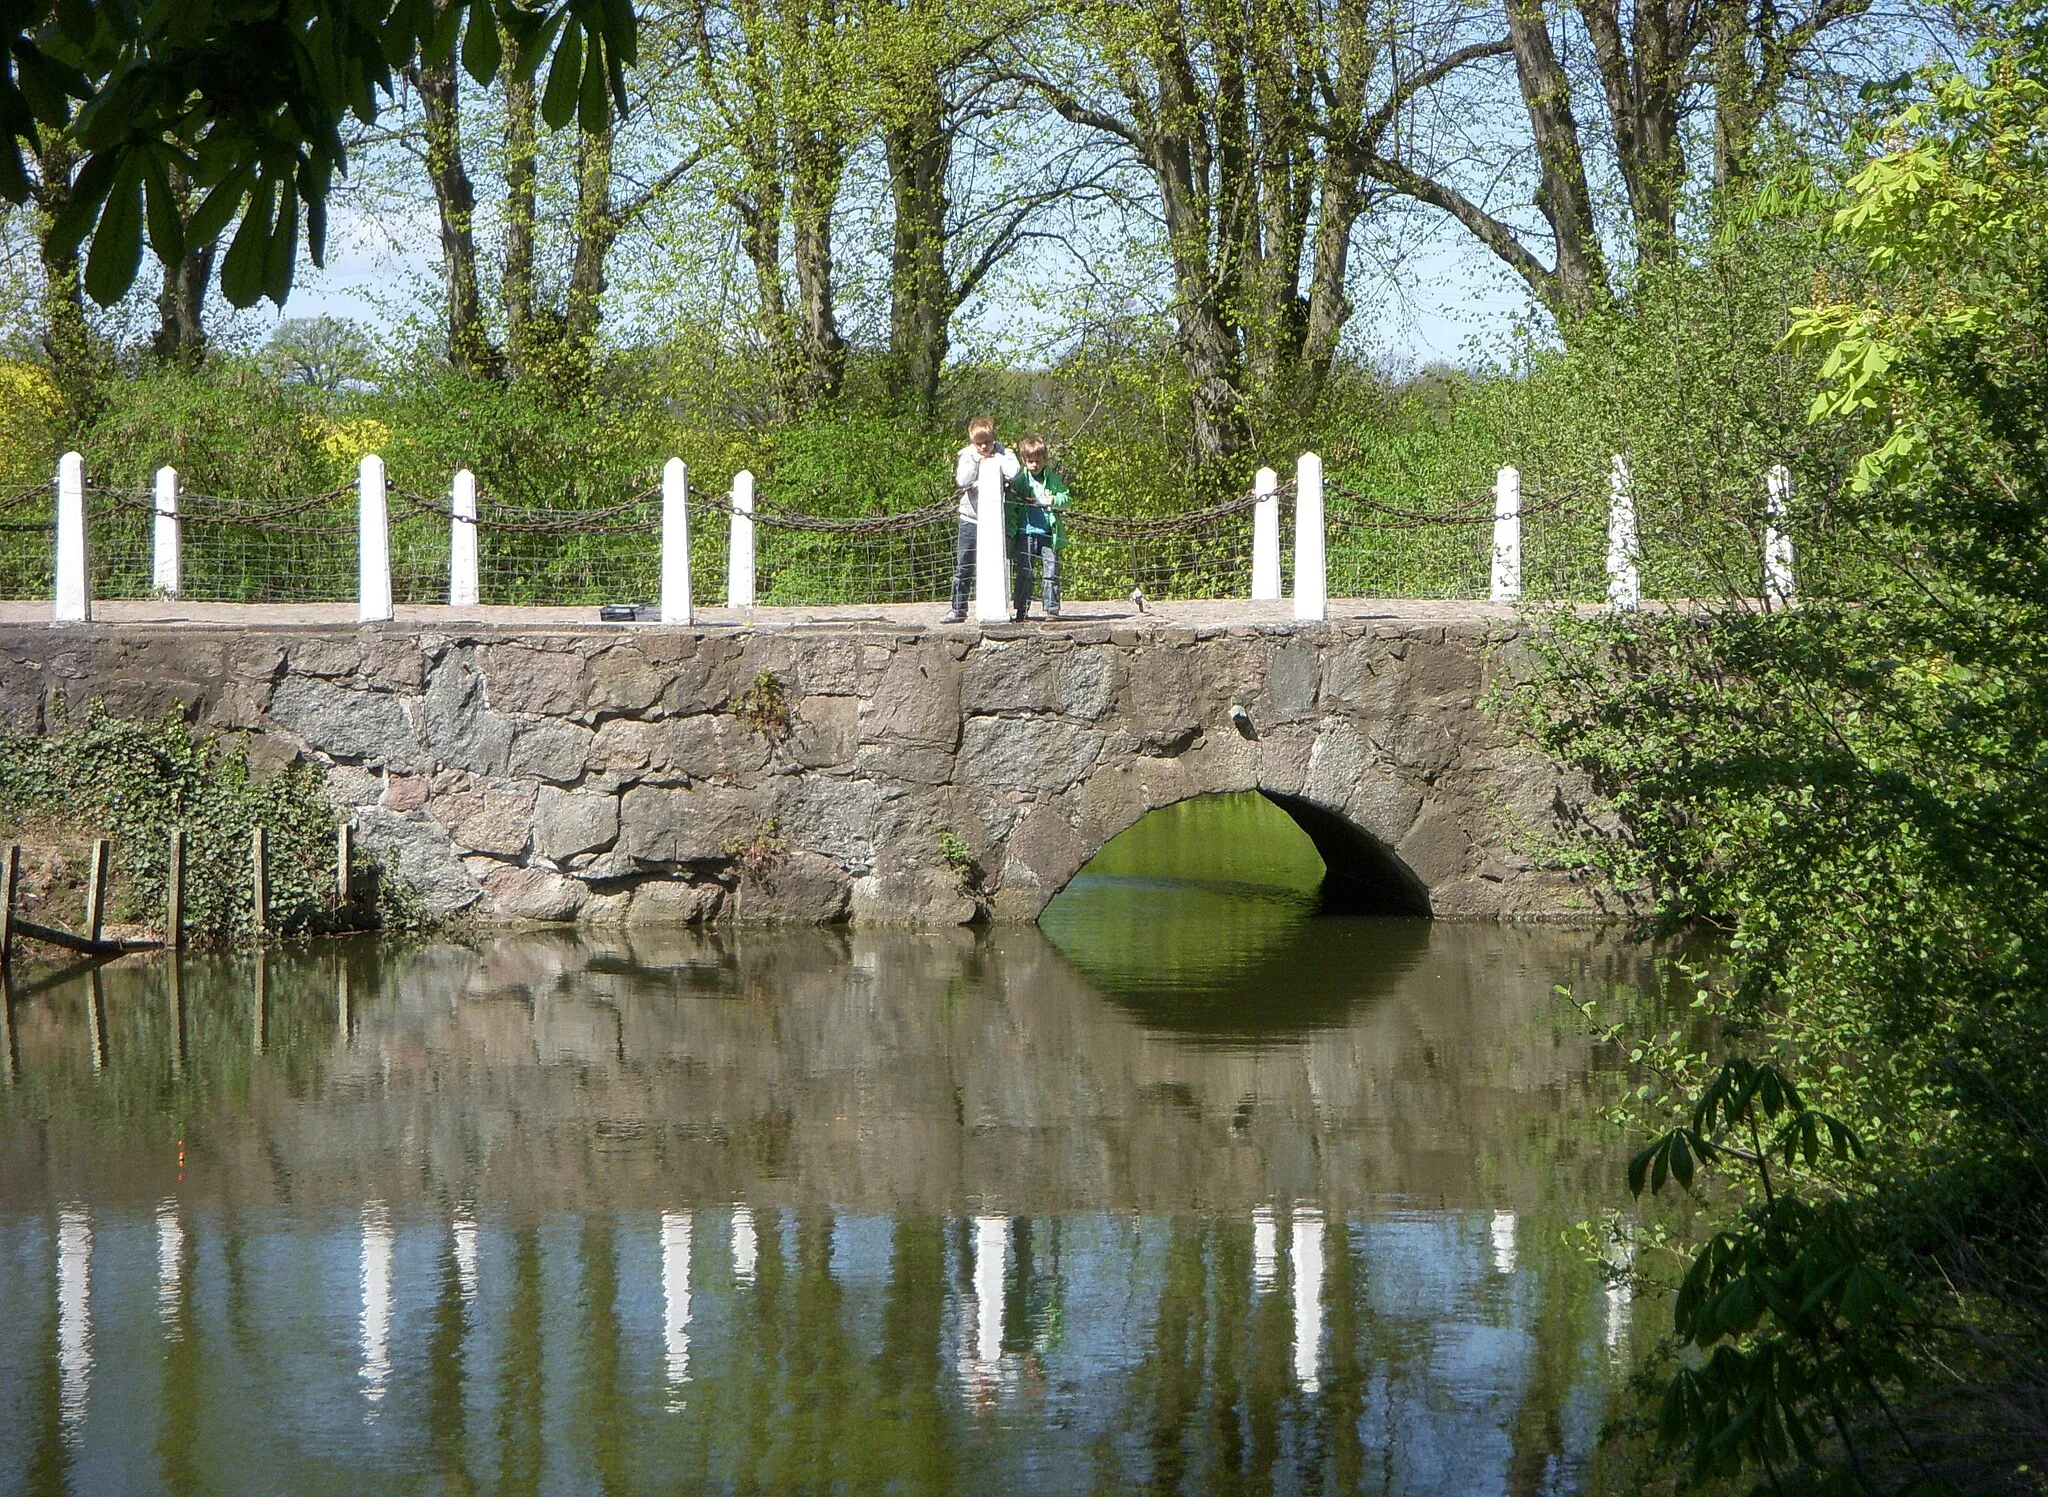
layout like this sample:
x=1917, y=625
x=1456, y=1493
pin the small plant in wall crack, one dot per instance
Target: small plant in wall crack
x=959, y=857
x=757, y=853
x=764, y=706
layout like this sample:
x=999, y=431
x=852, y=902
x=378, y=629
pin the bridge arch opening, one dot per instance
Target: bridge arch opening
x=1200, y=917
x=1262, y=840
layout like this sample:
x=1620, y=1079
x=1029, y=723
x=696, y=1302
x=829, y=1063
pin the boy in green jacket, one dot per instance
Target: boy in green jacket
x=1032, y=519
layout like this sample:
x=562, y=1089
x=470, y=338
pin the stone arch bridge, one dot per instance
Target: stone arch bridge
x=819, y=773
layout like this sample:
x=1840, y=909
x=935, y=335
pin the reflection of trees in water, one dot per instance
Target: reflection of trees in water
x=1231, y=964
x=856, y=1367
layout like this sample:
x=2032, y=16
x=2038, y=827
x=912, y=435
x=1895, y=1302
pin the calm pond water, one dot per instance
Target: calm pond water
x=1188, y=1190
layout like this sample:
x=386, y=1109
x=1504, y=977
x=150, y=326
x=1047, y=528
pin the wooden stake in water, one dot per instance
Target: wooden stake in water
x=259, y=876
x=10, y=875
x=96, y=891
x=344, y=855
x=174, y=894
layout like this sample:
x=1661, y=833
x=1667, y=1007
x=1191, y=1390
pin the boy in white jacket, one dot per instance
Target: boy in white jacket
x=982, y=447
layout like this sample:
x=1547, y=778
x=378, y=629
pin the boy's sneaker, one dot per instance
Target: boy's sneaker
x=1022, y=618
x=1052, y=613
x=954, y=618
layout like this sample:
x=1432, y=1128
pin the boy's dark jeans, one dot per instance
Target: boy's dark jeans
x=1039, y=547
x=963, y=566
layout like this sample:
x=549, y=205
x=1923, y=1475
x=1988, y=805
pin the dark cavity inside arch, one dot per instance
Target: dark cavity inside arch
x=1362, y=876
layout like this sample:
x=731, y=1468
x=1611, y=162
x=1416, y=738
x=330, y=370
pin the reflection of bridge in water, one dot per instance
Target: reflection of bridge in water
x=795, y=1209
x=868, y=1069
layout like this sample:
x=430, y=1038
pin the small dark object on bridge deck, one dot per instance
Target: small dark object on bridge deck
x=618, y=613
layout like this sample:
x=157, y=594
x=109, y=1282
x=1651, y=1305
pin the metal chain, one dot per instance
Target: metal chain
x=523, y=520
x=1131, y=527
x=1396, y=517
x=862, y=526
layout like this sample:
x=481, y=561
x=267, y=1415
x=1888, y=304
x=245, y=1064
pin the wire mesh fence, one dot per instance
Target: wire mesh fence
x=1442, y=546
x=532, y=557
x=304, y=549
x=28, y=541
x=1204, y=553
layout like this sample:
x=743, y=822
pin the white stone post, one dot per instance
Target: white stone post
x=1311, y=579
x=373, y=543
x=739, y=545
x=169, y=573
x=675, y=543
x=991, y=549
x=1624, y=580
x=1777, y=544
x=464, y=591
x=74, y=589
x=1266, y=537
x=1506, y=586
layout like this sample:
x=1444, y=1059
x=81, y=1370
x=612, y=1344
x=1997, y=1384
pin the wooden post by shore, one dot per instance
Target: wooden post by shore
x=96, y=892
x=174, y=894
x=344, y=855
x=259, y=876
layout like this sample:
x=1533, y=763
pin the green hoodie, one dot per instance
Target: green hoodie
x=1036, y=503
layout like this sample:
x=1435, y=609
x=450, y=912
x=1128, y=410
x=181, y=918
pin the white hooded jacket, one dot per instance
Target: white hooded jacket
x=967, y=474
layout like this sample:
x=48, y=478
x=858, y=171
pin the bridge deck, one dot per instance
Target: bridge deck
x=1207, y=612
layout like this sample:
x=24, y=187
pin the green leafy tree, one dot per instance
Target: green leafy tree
x=246, y=99
x=1852, y=788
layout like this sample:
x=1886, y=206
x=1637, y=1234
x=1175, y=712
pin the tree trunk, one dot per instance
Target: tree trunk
x=181, y=332
x=596, y=228
x=921, y=294
x=1179, y=153
x=67, y=336
x=813, y=109
x=521, y=149
x=469, y=345
x=1642, y=78
x=1579, y=283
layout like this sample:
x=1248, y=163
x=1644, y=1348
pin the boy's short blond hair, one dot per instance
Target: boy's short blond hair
x=979, y=425
x=1031, y=446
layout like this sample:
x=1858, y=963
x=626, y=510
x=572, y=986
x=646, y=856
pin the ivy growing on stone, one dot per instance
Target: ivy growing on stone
x=135, y=782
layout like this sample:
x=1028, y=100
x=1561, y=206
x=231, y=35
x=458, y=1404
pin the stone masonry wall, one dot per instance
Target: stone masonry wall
x=815, y=774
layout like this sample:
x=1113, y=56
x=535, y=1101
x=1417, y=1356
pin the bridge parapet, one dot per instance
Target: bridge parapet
x=877, y=773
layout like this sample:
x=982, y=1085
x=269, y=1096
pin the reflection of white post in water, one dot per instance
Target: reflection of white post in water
x=376, y=1331
x=1619, y=1298
x=170, y=1262
x=1619, y=1307
x=991, y=1233
x=74, y=1317
x=745, y=1249
x=1504, y=1242
x=675, y=1293
x=1308, y=1297
x=1265, y=1249
x=465, y=1255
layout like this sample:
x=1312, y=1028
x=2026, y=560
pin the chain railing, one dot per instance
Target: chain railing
x=1382, y=547
x=305, y=548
